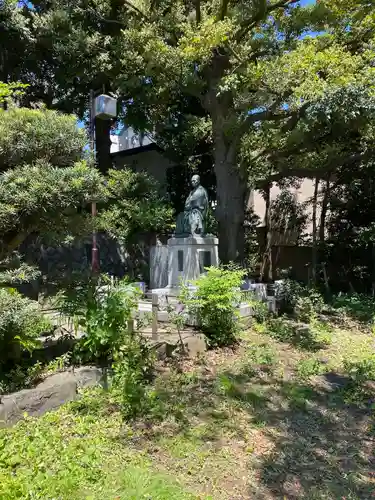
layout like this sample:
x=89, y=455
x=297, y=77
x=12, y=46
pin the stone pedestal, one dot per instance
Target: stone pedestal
x=158, y=266
x=187, y=259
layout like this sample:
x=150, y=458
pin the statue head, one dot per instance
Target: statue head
x=195, y=181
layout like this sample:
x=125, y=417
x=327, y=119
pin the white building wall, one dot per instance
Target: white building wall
x=128, y=139
x=303, y=194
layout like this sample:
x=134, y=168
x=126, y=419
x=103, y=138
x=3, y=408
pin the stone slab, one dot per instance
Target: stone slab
x=168, y=291
x=194, y=240
x=168, y=342
x=53, y=392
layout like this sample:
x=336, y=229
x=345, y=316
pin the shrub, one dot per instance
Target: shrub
x=307, y=306
x=359, y=307
x=296, y=299
x=311, y=337
x=132, y=370
x=21, y=377
x=309, y=367
x=361, y=372
x=281, y=329
x=214, y=303
x=21, y=323
x=259, y=310
x=303, y=309
x=287, y=293
x=30, y=373
x=102, y=312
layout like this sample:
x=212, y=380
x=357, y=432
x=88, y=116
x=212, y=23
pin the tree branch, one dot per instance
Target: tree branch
x=133, y=7
x=295, y=117
x=262, y=116
x=223, y=9
x=104, y=20
x=266, y=115
x=115, y=21
x=310, y=173
x=260, y=15
x=302, y=172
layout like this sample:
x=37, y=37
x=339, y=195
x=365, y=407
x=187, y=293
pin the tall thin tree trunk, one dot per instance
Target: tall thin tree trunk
x=322, y=230
x=314, y=249
x=266, y=269
x=323, y=214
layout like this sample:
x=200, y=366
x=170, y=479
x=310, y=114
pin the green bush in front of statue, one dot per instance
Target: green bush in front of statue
x=213, y=301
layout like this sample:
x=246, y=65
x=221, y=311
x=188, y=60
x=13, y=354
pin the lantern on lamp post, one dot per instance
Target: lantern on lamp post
x=102, y=107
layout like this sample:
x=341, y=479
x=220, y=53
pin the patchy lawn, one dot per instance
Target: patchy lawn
x=262, y=421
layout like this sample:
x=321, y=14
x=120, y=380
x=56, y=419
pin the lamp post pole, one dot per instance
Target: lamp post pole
x=106, y=110
x=94, y=250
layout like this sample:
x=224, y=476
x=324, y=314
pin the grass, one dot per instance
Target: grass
x=266, y=420
x=76, y=454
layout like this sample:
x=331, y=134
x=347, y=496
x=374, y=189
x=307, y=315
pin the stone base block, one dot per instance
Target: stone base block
x=188, y=258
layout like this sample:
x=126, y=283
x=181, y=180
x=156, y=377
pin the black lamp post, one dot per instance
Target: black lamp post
x=103, y=107
x=94, y=248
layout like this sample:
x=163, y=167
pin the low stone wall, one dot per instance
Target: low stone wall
x=59, y=263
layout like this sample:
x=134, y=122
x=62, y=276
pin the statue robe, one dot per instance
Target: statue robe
x=192, y=220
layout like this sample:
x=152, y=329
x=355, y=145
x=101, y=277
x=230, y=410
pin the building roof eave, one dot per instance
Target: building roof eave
x=140, y=149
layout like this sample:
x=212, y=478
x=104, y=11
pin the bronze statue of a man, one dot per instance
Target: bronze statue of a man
x=191, y=222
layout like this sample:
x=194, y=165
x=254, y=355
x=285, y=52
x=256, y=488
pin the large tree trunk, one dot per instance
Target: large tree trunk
x=231, y=179
x=103, y=145
x=230, y=212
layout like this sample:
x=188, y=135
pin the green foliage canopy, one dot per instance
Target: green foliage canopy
x=47, y=186
x=27, y=135
x=251, y=67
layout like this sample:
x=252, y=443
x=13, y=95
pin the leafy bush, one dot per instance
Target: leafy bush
x=214, y=304
x=360, y=373
x=132, y=370
x=307, y=306
x=30, y=373
x=27, y=134
x=281, y=329
x=359, y=307
x=314, y=336
x=21, y=377
x=299, y=300
x=287, y=293
x=21, y=323
x=309, y=367
x=259, y=310
x=102, y=312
